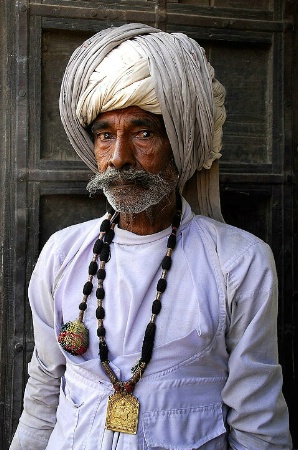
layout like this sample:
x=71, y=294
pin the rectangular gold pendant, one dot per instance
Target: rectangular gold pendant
x=123, y=413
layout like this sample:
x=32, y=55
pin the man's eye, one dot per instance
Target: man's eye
x=103, y=136
x=145, y=134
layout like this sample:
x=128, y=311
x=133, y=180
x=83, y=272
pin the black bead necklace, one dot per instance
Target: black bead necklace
x=123, y=407
x=74, y=336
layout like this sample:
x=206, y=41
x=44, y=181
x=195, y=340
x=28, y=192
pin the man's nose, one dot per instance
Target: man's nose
x=122, y=154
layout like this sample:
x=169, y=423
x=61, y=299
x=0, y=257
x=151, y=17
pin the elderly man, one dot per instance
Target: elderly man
x=155, y=328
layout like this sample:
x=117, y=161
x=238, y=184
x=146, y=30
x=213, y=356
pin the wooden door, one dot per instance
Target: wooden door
x=252, y=46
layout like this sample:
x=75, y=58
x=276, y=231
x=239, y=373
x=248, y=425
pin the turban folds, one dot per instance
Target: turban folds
x=128, y=84
x=159, y=72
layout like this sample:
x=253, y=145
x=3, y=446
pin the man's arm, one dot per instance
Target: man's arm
x=258, y=416
x=40, y=403
x=47, y=365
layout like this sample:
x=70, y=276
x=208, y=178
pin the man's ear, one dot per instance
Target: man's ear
x=90, y=132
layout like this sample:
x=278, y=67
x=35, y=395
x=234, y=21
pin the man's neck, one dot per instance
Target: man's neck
x=152, y=220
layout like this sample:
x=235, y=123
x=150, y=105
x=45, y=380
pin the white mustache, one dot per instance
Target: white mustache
x=115, y=176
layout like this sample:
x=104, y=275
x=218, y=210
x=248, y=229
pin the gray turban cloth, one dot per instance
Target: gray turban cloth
x=163, y=73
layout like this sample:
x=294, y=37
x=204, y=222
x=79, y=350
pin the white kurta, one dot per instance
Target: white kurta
x=213, y=382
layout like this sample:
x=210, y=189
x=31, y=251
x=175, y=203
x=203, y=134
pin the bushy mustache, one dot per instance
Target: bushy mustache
x=114, y=176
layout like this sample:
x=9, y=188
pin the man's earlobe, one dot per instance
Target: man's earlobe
x=89, y=130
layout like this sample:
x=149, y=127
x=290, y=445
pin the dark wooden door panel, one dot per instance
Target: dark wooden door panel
x=56, y=47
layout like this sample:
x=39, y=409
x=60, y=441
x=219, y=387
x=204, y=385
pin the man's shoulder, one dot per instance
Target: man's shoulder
x=79, y=228
x=73, y=237
x=231, y=243
x=217, y=229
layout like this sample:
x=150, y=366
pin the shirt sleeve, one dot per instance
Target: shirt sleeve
x=48, y=363
x=258, y=416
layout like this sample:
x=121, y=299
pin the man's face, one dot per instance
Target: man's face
x=131, y=137
x=134, y=158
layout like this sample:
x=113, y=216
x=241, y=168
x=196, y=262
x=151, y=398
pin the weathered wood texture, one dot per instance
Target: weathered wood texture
x=252, y=47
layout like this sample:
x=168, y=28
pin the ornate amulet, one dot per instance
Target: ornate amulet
x=74, y=337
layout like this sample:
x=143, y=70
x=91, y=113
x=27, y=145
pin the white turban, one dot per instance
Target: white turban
x=129, y=83
x=162, y=73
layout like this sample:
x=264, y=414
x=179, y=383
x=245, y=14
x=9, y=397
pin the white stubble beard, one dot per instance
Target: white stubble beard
x=147, y=189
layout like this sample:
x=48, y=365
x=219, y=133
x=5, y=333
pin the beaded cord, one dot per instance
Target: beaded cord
x=74, y=336
x=101, y=251
x=148, y=341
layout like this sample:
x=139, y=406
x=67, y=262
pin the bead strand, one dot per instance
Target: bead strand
x=93, y=266
x=100, y=293
x=148, y=342
x=74, y=336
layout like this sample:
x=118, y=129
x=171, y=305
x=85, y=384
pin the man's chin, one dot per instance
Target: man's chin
x=124, y=192
x=131, y=199
x=119, y=188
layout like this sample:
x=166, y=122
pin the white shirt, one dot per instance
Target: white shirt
x=213, y=382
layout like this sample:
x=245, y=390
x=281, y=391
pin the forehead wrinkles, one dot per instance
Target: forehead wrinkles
x=136, y=117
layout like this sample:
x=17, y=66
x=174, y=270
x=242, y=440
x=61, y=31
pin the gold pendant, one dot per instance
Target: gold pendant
x=123, y=413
